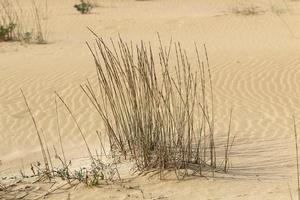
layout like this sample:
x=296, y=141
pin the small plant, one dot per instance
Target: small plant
x=247, y=10
x=63, y=173
x=278, y=10
x=27, y=37
x=22, y=24
x=97, y=173
x=23, y=175
x=83, y=7
x=6, y=31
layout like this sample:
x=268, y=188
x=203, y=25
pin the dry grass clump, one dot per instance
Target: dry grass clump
x=160, y=114
x=84, y=7
x=8, y=21
x=247, y=10
x=23, y=24
x=279, y=10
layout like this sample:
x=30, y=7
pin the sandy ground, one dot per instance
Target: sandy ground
x=255, y=64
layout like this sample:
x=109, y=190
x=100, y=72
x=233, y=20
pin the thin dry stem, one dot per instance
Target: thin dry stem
x=38, y=134
x=74, y=119
x=297, y=157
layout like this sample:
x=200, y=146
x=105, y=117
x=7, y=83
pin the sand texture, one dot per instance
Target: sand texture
x=255, y=64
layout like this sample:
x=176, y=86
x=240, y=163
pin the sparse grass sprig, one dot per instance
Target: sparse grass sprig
x=84, y=7
x=38, y=132
x=6, y=31
x=247, y=10
x=97, y=173
x=297, y=157
x=27, y=25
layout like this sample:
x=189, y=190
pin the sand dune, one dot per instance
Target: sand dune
x=255, y=64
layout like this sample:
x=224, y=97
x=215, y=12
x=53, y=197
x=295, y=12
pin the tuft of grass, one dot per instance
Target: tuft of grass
x=6, y=31
x=8, y=21
x=278, y=10
x=84, y=7
x=97, y=173
x=246, y=10
x=160, y=114
x=20, y=24
x=39, y=32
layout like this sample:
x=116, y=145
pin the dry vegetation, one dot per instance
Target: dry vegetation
x=159, y=119
x=23, y=24
x=249, y=9
x=61, y=175
x=84, y=7
x=246, y=9
x=279, y=10
x=158, y=111
x=297, y=157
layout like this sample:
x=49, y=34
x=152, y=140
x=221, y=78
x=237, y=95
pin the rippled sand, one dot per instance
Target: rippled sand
x=255, y=63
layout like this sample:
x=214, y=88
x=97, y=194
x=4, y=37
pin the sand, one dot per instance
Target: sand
x=255, y=63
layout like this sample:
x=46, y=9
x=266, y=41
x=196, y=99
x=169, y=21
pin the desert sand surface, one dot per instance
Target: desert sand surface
x=255, y=64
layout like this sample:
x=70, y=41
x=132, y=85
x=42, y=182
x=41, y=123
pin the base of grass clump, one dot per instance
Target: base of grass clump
x=39, y=184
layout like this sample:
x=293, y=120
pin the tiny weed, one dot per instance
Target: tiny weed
x=6, y=31
x=83, y=7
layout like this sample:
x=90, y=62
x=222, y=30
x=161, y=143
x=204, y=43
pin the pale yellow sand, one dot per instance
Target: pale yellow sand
x=255, y=63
